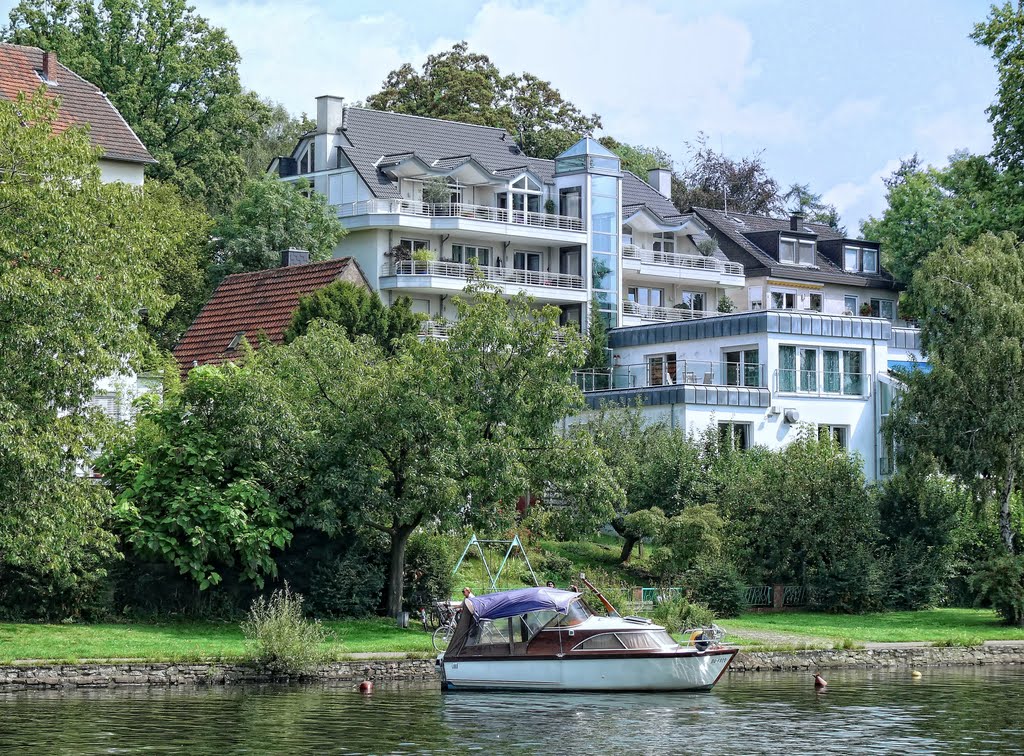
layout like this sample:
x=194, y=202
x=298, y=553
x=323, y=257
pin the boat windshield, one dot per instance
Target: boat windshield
x=577, y=613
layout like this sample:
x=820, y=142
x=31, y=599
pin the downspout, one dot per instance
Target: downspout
x=876, y=420
x=504, y=253
x=440, y=250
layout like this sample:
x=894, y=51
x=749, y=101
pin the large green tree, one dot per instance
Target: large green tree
x=359, y=311
x=278, y=136
x=79, y=259
x=272, y=216
x=800, y=199
x=712, y=179
x=967, y=410
x=460, y=85
x=172, y=76
x=637, y=158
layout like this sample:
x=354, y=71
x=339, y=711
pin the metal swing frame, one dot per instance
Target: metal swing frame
x=493, y=577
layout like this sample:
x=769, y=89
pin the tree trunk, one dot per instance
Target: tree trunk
x=396, y=568
x=1005, y=528
x=627, y=548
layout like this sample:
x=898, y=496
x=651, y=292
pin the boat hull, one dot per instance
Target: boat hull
x=695, y=671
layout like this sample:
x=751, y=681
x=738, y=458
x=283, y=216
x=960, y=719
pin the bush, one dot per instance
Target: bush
x=346, y=586
x=1000, y=584
x=678, y=614
x=851, y=584
x=555, y=567
x=429, y=561
x=719, y=587
x=280, y=639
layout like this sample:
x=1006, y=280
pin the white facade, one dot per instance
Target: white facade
x=112, y=171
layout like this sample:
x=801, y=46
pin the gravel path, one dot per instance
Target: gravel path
x=776, y=638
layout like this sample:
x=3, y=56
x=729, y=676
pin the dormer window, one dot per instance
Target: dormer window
x=860, y=259
x=236, y=341
x=796, y=251
x=525, y=195
x=307, y=163
x=665, y=241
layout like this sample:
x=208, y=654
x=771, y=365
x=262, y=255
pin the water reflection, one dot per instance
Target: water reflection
x=974, y=710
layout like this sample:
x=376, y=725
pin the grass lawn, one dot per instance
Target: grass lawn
x=960, y=627
x=188, y=641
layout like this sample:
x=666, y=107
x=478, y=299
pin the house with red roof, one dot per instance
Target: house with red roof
x=258, y=307
x=25, y=69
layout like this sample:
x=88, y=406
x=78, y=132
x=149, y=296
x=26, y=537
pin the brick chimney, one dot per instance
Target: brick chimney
x=292, y=256
x=50, y=66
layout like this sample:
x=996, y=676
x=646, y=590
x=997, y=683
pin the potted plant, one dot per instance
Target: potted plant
x=549, y=207
x=422, y=258
x=707, y=246
x=865, y=309
x=725, y=304
x=436, y=191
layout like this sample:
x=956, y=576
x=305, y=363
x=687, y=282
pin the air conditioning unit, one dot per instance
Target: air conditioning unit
x=774, y=410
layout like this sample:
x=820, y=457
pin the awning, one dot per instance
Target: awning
x=514, y=603
x=910, y=366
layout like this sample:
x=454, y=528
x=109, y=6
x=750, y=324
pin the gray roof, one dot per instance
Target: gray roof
x=734, y=227
x=376, y=136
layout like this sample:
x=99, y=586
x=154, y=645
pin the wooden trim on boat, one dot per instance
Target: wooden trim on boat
x=589, y=655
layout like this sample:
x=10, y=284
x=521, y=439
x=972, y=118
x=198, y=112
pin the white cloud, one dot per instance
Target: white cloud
x=941, y=135
x=857, y=200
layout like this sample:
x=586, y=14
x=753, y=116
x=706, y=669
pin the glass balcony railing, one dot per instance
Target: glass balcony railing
x=656, y=373
x=461, y=210
x=497, y=275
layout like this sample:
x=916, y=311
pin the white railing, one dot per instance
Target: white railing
x=664, y=314
x=672, y=259
x=460, y=210
x=905, y=338
x=441, y=329
x=822, y=383
x=672, y=373
x=447, y=269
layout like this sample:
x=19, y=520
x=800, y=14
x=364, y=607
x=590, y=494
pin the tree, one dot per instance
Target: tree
x=78, y=259
x=359, y=310
x=596, y=357
x=1003, y=33
x=206, y=479
x=277, y=137
x=272, y=216
x=710, y=176
x=968, y=410
x=459, y=85
x=801, y=199
x=636, y=158
x=172, y=76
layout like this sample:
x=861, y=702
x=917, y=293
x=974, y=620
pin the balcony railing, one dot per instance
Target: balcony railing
x=674, y=260
x=461, y=210
x=822, y=383
x=905, y=339
x=664, y=314
x=672, y=373
x=497, y=275
x=441, y=329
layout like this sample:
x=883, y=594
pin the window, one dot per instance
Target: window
x=851, y=258
x=527, y=261
x=792, y=299
x=691, y=300
x=883, y=308
x=570, y=202
x=411, y=245
x=462, y=253
x=735, y=435
x=796, y=251
x=307, y=163
x=755, y=297
x=869, y=258
x=524, y=195
x=783, y=300
x=742, y=368
x=837, y=372
x=665, y=241
x=787, y=251
x=814, y=302
x=840, y=434
x=860, y=259
x=646, y=296
x=851, y=305
x=661, y=369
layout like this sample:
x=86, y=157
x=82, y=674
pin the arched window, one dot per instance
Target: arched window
x=525, y=194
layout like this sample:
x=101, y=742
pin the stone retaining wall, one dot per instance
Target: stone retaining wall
x=396, y=670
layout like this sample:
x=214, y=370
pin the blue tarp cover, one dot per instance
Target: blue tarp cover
x=924, y=367
x=513, y=603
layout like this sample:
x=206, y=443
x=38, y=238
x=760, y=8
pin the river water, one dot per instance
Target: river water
x=970, y=710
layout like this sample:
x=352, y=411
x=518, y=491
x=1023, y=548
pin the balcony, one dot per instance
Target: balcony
x=658, y=373
x=453, y=214
x=663, y=314
x=439, y=275
x=661, y=265
x=822, y=383
x=906, y=339
x=441, y=329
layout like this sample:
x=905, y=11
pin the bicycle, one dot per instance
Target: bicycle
x=449, y=619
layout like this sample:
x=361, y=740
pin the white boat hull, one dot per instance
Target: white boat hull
x=662, y=672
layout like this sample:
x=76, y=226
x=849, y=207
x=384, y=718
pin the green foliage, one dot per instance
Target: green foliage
x=359, y=311
x=459, y=85
x=801, y=199
x=718, y=586
x=437, y=191
x=725, y=304
x=280, y=640
x=709, y=175
x=430, y=560
x=636, y=158
x=205, y=479
x=278, y=136
x=970, y=332
x=272, y=216
x=78, y=259
x=346, y=586
x=677, y=614
x=172, y=76
x=693, y=536
x=999, y=583
x=555, y=567
x=597, y=339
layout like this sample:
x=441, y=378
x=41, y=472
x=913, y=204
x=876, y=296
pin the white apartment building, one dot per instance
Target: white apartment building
x=757, y=323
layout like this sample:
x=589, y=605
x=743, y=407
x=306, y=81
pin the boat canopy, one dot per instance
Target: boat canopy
x=513, y=603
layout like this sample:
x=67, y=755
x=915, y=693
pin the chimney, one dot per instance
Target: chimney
x=796, y=221
x=661, y=179
x=292, y=256
x=50, y=66
x=330, y=114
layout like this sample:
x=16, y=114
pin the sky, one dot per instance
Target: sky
x=832, y=94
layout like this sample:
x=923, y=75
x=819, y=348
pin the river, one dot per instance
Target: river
x=969, y=710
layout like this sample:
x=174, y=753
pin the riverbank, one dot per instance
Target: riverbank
x=391, y=670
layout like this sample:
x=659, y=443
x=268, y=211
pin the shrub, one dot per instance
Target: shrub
x=999, y=583
x=429, y=561
x=346, y=586
x=718, y=586
x=280, y=639
x=851, y=584
x=726, y=305
x=556, y=567
x=678, y=614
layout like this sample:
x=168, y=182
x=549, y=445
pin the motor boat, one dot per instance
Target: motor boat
x=549, y=639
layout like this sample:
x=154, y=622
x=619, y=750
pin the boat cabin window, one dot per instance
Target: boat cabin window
x=578, y=612
x=651, y=640
x=488, y=633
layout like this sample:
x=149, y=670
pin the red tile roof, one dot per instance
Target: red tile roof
x=259, y=305
x=81, y=103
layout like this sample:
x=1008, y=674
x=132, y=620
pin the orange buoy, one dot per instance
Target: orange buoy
x=366, y=686
x=819, y=682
